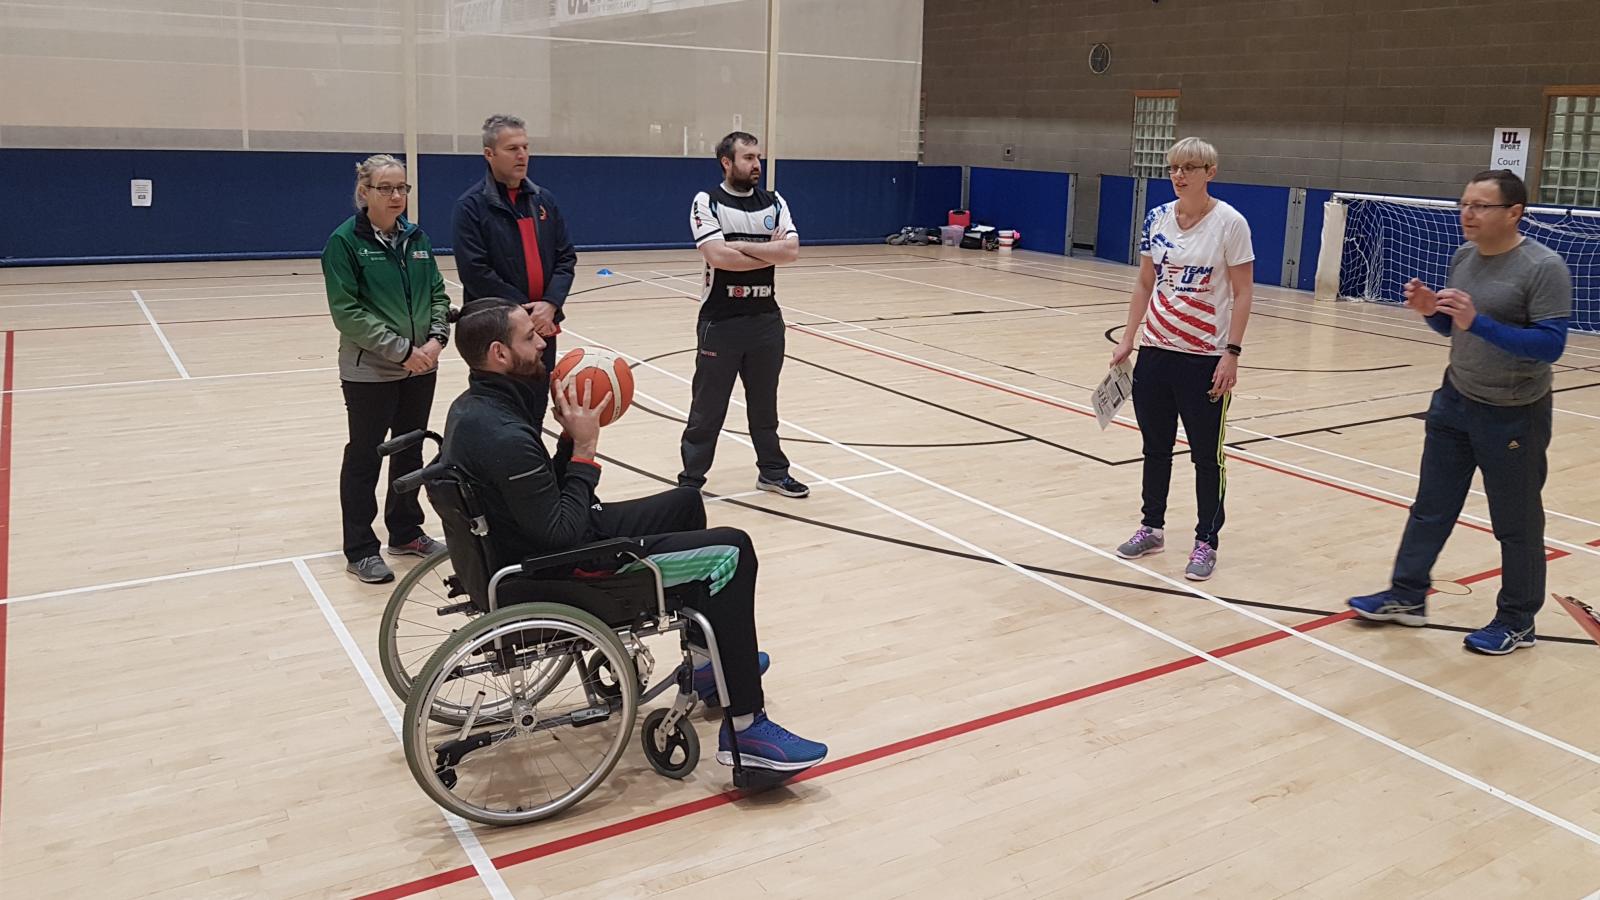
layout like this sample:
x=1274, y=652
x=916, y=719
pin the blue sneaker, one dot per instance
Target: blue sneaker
x=1498, y=639
x=705, y=682
x=1386, y=607
x=768, y=745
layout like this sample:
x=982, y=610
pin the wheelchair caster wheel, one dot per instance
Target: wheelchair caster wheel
x=673, y=754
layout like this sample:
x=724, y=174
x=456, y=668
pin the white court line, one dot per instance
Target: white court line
x=8, y=306
x=286, y=560
x=825, y=482
x=1575, y=413
x=143, y=381
x=463, y=832
x=940, y=287
x=1187, y=648
x=1412, y=475
x=161, y=335
x=1188, y=586
x=1236, y=427
x=118, y=290
x=156, y=579
x=1299, y=303
x=1125, y=419
x=1232, y=451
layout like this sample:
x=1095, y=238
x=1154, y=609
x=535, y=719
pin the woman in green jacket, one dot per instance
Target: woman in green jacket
x=388, y=302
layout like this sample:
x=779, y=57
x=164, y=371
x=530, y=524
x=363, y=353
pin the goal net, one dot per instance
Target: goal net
x=1371, y=246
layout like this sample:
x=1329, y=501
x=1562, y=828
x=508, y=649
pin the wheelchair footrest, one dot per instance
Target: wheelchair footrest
x=755, y=780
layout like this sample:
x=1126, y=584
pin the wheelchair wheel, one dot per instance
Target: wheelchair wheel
x=545, y=745
x=672, y=754
x=412, y=629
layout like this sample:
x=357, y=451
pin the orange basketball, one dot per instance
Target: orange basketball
x=606, y=374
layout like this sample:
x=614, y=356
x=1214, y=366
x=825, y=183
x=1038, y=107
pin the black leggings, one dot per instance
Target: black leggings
x=1169, y=386
x=675, y=521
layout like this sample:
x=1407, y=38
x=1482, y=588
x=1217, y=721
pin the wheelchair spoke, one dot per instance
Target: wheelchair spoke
x=547, y=724
x=425, y=627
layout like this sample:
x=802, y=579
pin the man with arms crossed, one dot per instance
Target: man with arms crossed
x=742, y=232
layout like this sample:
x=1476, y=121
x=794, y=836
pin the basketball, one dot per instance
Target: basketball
x=605, y=372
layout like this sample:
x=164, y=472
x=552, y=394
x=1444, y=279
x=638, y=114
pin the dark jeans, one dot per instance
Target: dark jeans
x=749, y=348
x=675, y=520
x=1507, y=444
x=377, y=411
x=1169, y=386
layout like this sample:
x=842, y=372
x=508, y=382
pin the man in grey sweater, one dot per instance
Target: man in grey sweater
x=1505, y=309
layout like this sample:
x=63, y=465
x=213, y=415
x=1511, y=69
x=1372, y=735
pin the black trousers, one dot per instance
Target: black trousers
x=749, y=348
x=377, y=411
x=675, y=521
x=1507, y=444
x=1169, y=386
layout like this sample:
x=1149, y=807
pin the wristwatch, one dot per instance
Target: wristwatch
x=1235, y=349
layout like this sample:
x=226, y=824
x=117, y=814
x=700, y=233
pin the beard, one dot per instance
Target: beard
x=530, y=368
x=745, y=182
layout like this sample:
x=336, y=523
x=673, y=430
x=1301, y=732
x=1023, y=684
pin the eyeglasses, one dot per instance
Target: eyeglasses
x=1478, y=209
x=389, y=190
x=1186, y=169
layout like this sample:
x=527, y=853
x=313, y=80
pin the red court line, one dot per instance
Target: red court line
x=5, y=532
x=682, y=810
x=639, y=823
x=1072, y=409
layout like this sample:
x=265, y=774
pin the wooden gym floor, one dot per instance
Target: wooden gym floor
x=188, y=691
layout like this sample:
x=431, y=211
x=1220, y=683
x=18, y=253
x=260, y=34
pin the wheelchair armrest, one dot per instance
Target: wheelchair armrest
x=611, y=550
x=405, y=484
x=406, y=441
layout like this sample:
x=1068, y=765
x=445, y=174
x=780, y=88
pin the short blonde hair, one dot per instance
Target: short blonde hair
x=371, y=166
x=1192, y=150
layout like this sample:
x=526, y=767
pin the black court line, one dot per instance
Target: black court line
x=1116, y=328
x=1020, y=435
x=1255, y=311
x=956, y=412
x=1042, y=570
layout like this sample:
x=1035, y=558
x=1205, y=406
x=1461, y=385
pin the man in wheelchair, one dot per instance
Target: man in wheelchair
x=539, y=504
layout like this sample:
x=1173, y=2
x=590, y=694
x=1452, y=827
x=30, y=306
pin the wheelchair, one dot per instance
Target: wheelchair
x=522, y=682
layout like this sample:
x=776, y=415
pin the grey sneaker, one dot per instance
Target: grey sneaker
x=1144, y=542
x=787, y=487
x=372, y=570
x=422, y=546
x=1202, y=562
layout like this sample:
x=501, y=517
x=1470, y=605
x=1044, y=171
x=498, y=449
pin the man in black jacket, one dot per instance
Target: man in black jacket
x=510, y=239
x=537, y=504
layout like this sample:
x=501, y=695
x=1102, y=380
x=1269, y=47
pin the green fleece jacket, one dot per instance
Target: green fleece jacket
x=385, y=299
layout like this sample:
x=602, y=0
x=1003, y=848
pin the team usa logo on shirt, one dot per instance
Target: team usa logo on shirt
x=749, y=290
x=542, y=214
x=1183, y=314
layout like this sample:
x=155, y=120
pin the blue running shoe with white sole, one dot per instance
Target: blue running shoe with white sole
x=1498, y=639
x=768, y=745
x=1384, y=606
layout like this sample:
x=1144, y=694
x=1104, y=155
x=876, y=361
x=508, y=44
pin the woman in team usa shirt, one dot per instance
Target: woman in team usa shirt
x=1187, y=317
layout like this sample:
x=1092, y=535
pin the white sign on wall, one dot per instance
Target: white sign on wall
x=143, y=190
x=1511, y=148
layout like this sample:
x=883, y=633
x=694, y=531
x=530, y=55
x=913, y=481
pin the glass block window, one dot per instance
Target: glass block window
x=1570, y=174
x=1155, y=128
